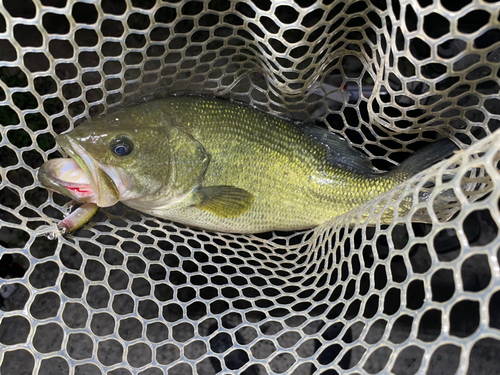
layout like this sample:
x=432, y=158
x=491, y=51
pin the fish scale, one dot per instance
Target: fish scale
x=284, y=168
x=224, y=166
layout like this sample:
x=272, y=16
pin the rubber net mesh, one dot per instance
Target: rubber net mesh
x=131, y=294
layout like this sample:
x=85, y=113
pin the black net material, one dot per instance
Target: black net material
x=132, y=294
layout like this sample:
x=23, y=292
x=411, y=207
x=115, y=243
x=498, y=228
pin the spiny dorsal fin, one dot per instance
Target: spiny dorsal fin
x=339, y=151
x=223, y=201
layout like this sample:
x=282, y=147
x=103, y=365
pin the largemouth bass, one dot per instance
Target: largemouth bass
x=221, y=166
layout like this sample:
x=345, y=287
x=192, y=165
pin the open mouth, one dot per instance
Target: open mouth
x=72, y=177
x=68, y=178
x=79, y=177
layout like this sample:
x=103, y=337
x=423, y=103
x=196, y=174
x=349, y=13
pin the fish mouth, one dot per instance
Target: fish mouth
x=66, y=176
x=79, y=177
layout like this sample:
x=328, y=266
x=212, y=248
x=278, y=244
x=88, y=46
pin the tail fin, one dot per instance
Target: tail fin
x=425, y=158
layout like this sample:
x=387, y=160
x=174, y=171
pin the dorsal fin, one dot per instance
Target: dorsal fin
x=425, y=158
x=339, y=151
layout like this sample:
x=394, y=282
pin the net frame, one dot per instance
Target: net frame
x=386, y=76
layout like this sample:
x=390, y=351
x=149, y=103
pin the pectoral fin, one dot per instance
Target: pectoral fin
x=223, y=201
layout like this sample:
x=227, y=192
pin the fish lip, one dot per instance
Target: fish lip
x=68, y=185
x=96, y=175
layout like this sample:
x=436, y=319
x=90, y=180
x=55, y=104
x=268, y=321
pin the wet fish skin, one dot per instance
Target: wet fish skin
x=222, y=166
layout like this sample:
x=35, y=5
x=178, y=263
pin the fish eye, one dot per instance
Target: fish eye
x=122, y=145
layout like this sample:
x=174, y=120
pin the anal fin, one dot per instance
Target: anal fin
x=223, y=201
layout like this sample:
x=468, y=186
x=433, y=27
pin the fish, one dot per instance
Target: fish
x=221, y=166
